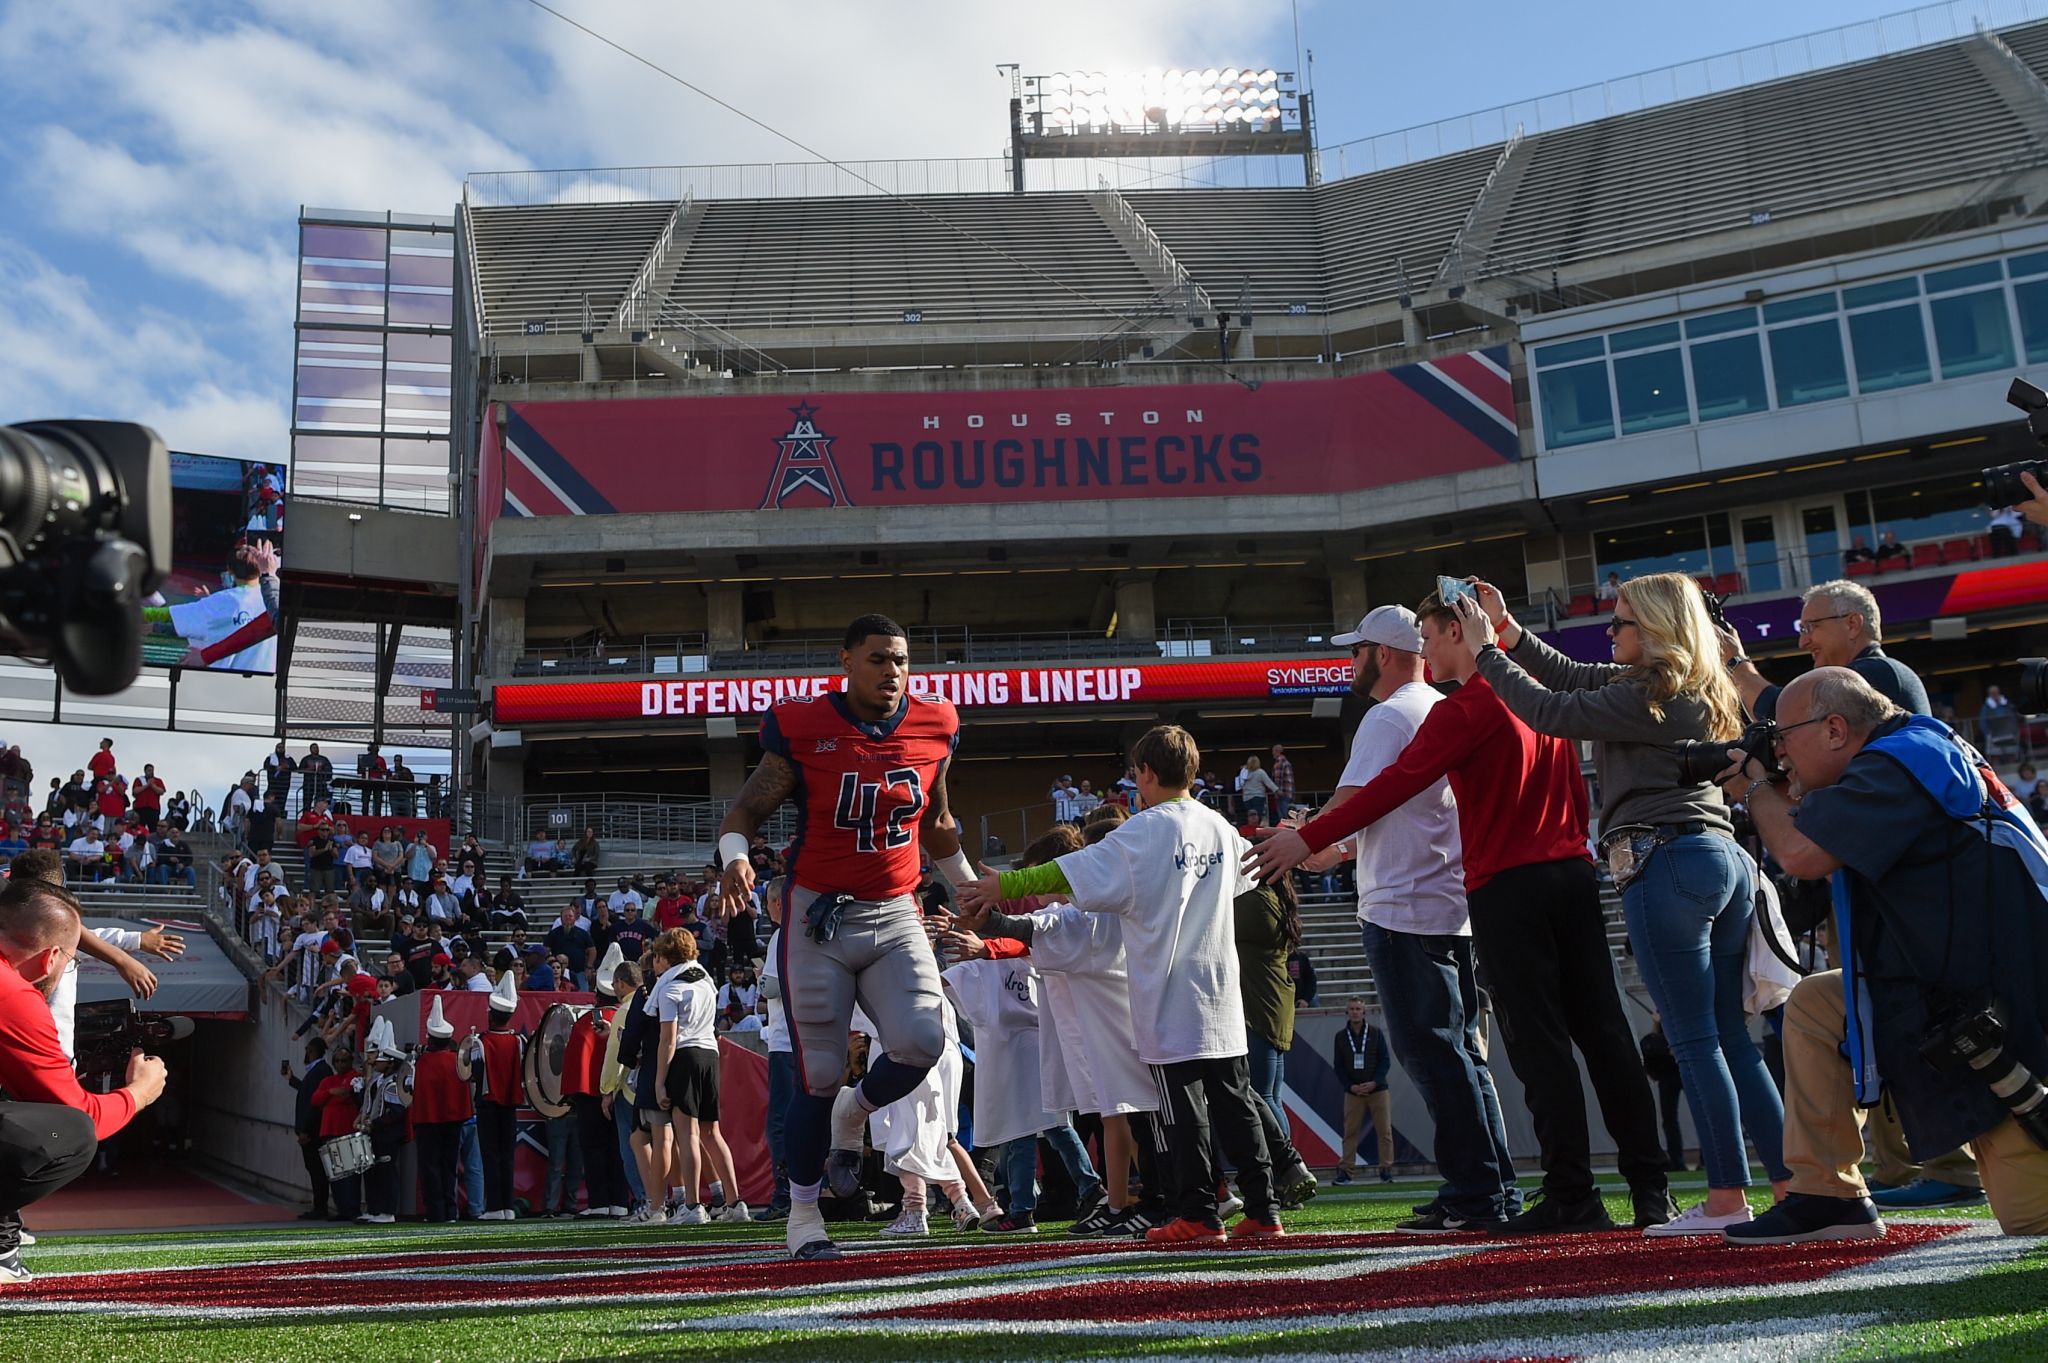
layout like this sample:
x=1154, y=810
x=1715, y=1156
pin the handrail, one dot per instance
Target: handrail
x=476, y=280
x=1162, y=256
x=1454, y=254
x=632, y=307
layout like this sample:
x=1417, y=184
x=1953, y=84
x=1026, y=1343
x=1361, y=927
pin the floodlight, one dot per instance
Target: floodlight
x=1268, y=76
x=1272, y=115
x=1229, y=76
x=1269, y=96
x=1209, y=75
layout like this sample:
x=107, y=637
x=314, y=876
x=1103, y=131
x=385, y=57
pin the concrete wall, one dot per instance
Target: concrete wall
x=242, y=1108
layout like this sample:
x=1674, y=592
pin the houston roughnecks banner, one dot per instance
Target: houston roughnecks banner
x=996, y=688
x=1295, y=437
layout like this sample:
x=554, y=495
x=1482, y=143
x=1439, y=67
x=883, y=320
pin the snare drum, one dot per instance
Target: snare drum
x=347, y=1156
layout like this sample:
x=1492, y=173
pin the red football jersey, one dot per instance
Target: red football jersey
x=861, y=789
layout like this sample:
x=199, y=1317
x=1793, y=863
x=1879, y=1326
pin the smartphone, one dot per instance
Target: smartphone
x=1449, y=589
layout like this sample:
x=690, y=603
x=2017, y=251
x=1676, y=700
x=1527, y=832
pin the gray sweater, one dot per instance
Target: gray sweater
x=1633, y=756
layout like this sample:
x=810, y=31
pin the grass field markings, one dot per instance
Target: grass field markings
x=1709, y=1344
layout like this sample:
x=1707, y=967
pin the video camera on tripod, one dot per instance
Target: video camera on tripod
x=108, y=1031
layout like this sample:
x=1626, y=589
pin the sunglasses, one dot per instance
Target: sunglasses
x=1616, y=624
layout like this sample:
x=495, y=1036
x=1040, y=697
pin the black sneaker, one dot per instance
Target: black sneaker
x=1012, y=1223
x=1343, y=1176
x=1097, y=1223
x=1295, y=1188
x=1547, y=1215
x=1440, y=1219
x=1091, y=1203
x=842, y=1173
x=1653, y=1206
x=1804, y=1216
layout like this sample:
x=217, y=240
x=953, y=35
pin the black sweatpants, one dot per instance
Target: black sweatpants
x=1198, y=1092
x=497, y=1138
x=380, y=1180
x=43, y=1146
x=1542, y=943
x=439, y=1145
x=316, y=1172
x=604, y=1171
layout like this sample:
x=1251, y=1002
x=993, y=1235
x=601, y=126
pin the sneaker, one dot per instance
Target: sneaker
x=1343, y=1175
x=1424, y=1208
x=733, y=1214
x=1250, y=1229
x=589, y=1213
x=650, y=1215
x=1012, y=1223
x=1096, y=1223
x=772, y=1213
x=1130, y=1224
x=692, y=1215
x=812, y=1250
x=842, y=1173
x=1921, y=1192
x=805, y=1233
x=1295, y=1187
x=1803, y=1216
x=966, y=1219
x=24, y=1239
x=1696, y=1221
x=909, y=1224
x=12, y=1270
x=1387, y=1175
x=1182, y=1231
x=1091, y=1202
x=382, y=1219
x=1438, y=1219
x=1547, y=1215
x=1653, y=1207
x=1228, y=1207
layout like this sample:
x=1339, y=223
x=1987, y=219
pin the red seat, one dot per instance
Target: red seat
x=1863, y=568
x=1728, y=584
x=1583, y=605
x=1926, y=556
x=2030, y=543
x=1958, y=551
x=1983, y=546
x=1897, y=563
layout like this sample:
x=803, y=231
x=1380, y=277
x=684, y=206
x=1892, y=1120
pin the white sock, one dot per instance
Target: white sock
x=716, y=1192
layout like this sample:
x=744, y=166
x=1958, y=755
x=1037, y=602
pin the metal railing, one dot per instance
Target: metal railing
x=626, y=817
x=1118, y=209
x=653, y=653
x=633, y=307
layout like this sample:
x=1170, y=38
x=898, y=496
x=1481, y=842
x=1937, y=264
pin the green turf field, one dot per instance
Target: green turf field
x=1941, y=1285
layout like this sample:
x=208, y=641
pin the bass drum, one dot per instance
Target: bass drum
x=545, y=1053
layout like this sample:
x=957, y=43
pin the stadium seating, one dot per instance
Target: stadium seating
x=541, y=264
x=1926, y=556
x=1958, y=551
x=1254, y=248
x=1386, y=233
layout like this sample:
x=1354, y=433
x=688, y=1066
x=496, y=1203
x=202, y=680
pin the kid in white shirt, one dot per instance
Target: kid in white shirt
x=1171, y=874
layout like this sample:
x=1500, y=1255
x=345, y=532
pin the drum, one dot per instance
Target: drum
x=545, y=1052
x=347, y=1156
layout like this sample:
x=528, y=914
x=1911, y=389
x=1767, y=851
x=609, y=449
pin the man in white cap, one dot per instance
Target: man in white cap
x=604, y=1167
x=386, y=1094
x=1418, y=938
x=441, y=1104
x=497, y=1108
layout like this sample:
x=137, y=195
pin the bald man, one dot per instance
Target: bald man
x=111, y=946
x=49, y=1127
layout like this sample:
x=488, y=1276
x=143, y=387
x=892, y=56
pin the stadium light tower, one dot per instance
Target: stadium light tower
x=1161, y=111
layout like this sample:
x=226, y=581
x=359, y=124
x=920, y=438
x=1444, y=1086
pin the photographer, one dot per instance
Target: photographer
x=1839, y=626
x=49, y=1126
x=1939, y=890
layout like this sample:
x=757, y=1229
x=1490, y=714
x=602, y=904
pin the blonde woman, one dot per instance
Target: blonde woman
x=1686, y=888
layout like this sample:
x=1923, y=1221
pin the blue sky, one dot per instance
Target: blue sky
x=158, y=152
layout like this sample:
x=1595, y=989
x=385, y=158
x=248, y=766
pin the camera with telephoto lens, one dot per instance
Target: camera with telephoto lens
x=85, y=534
x=2002, y=485
x=1702, y=759
x=1976, y=1041
x=2031, y=695
x=106, y=1032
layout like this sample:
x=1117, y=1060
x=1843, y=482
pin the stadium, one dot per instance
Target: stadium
x=1125, y=429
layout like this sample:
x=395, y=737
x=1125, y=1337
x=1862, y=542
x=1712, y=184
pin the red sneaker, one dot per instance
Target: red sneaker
x=1250, y=1229
x=1182, y=1231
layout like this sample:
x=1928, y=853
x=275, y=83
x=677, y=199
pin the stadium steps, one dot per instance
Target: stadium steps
x=544, y=264
x=2020, y=85
x=1254, y=247
x=1385, y=235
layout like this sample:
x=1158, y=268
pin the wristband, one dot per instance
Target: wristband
x=733, y=847
x=958, y=870
x=1737, y=661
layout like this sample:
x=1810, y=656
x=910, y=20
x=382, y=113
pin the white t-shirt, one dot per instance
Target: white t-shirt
x=1171, y=873
x=307, y=944
x=775, y=1033
x=690, y=1004
x=1411, y=864
x=357, y=856
x=87, y=847
x=1000, y=1000
x=213, y=618
x=619, y=899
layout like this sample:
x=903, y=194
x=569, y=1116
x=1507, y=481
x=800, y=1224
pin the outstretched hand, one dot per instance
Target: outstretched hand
x=1277, y=851
x=977, y=897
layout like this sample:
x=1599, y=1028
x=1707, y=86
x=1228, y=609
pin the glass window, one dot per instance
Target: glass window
x=1823, y=542
x=1792, y=309
x=1760, y=569
x=1720, y=550
x=1963, y=276
x=1944, y=508
x=2032, y=300
x=2035, y=262
x=1650, y=390
x=1891, y=349
x=337, y=466
x=1642, y=338
x=1665, y=547
x=1807, y=364
x=1716, y=324
x=1565, y=351
x=1891, y=291
x=1972, y=332
x=1576, y=405
x=1728, y=377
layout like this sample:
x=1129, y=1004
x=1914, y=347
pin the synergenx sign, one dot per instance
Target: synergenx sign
x=999, y=688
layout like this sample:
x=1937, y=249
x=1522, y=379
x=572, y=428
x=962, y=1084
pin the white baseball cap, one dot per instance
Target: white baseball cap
x=1393, y=626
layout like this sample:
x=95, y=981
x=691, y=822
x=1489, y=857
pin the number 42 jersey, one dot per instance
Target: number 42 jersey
x=861, y=789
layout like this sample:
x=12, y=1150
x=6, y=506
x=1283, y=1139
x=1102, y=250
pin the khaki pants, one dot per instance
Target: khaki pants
x=1381, y=1104
x=1824, y=1127
x=1893, y=1164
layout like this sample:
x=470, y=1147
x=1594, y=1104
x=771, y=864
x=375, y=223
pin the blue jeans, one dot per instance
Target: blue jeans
x=1066, y=1143
x=1430, y=997
x=470, y=1155
x=622, y=1122
x=1020, y=1172
x=1269, y=1068
x=1688, y=917
x=781, y=1084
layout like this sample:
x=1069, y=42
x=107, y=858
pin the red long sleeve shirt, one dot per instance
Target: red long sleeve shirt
x=1521, y=799
x=33, y=1067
